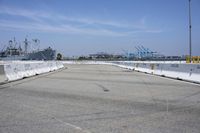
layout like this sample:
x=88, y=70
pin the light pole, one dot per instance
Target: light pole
x=190, y=32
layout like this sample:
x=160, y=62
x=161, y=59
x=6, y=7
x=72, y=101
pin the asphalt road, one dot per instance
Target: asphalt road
x=99, y=99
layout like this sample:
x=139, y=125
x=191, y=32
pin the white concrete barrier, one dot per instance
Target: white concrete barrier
x=15, y=70
x=172, y=69
x=188, y=72
x=2, y=74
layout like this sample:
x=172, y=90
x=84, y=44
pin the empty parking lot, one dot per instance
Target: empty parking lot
x=99, y=99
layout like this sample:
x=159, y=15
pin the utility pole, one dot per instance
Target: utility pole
x=190, y=32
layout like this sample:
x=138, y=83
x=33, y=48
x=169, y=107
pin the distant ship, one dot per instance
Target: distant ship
x=15, y=52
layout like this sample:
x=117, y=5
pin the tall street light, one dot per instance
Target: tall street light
x=190, y=32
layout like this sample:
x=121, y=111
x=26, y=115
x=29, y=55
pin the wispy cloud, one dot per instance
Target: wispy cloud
x=52, y=22
x=39, y=15
x=57, y=29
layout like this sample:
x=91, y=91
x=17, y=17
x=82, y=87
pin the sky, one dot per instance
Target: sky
x=82, y=27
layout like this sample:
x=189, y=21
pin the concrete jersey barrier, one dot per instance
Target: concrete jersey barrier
x=17, y=70
x=188, y=72
x=2, y=74
x=172, y=69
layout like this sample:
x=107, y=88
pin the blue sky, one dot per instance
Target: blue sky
x=80, y=27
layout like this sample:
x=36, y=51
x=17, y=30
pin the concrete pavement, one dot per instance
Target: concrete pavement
x=99, y=99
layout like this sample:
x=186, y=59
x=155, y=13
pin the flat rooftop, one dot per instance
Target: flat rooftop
x=99, y=99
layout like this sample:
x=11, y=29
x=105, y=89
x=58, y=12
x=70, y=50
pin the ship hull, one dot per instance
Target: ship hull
x=18, y=57
x=47, y=54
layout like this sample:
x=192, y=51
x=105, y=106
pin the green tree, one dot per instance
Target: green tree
x=59, y=56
